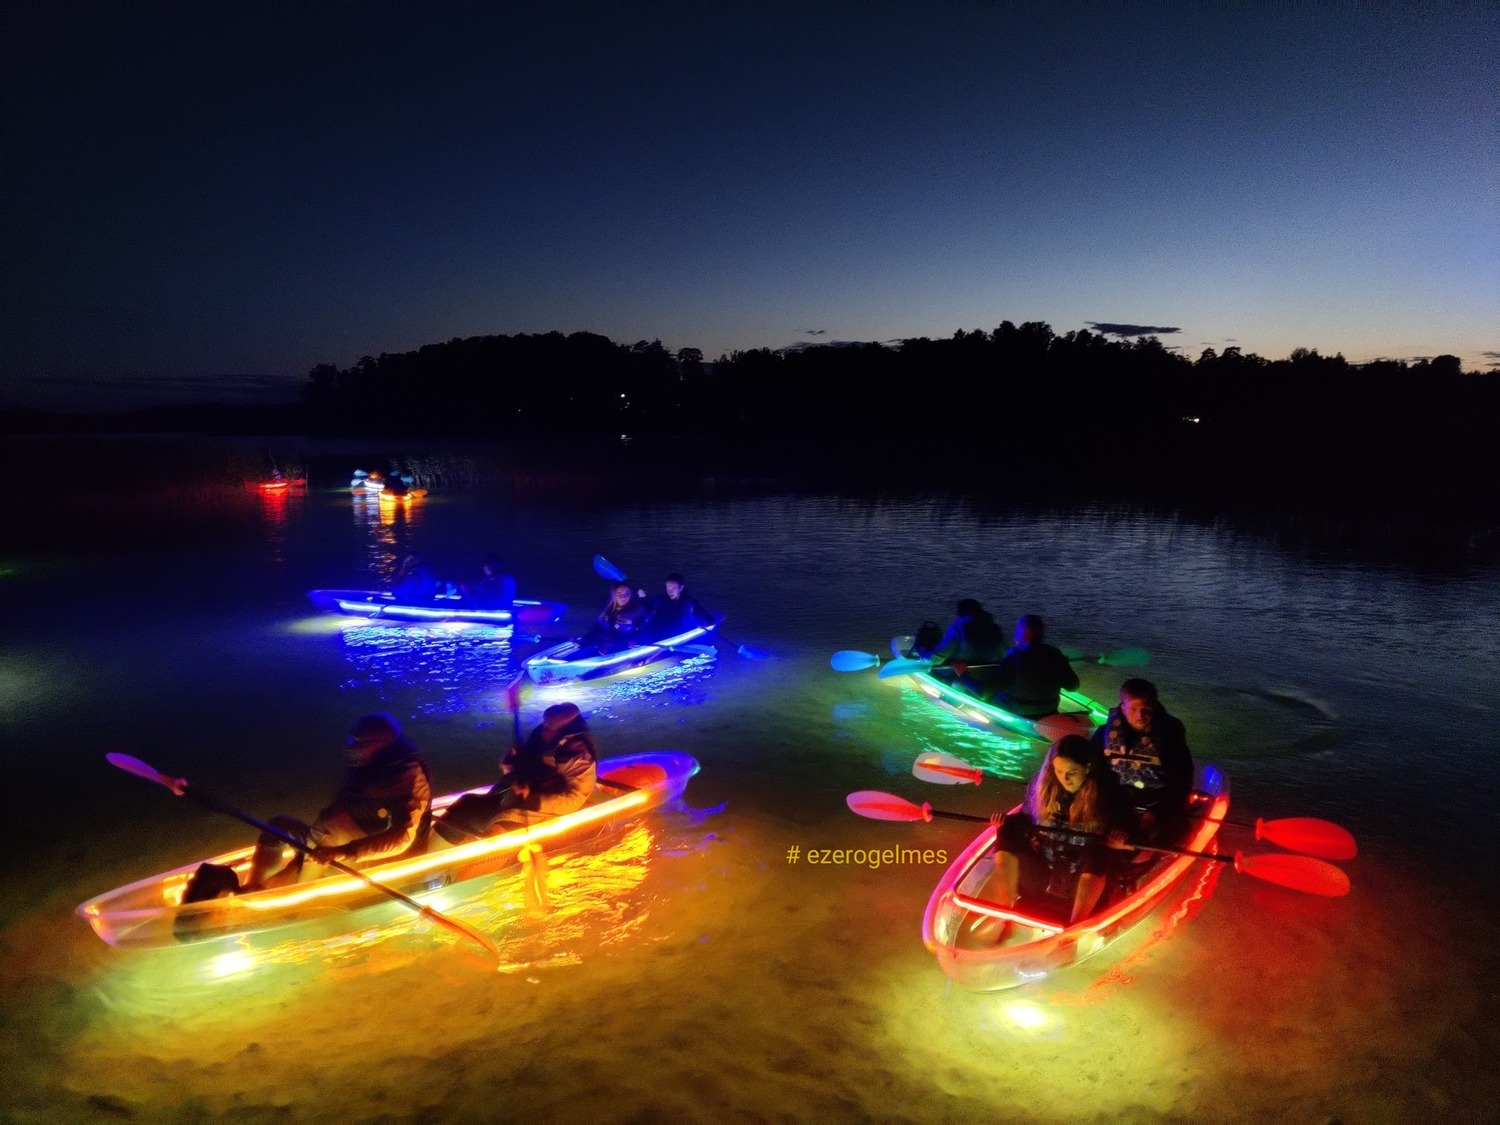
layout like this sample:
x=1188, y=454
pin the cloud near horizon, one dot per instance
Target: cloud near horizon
x=1107, y=328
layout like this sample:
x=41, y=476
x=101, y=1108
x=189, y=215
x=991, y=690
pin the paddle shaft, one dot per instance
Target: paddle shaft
x=1089, y=836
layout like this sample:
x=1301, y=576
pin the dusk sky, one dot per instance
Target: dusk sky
x=201, y=201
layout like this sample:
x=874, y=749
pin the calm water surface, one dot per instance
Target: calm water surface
x=688, y=968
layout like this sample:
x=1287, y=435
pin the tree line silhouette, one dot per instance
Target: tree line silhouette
x=1021, y=404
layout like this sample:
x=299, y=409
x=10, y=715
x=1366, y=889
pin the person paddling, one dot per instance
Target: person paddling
x=1029, y=678
x=551, y=773
x=1147, y=750
x=382, y=810
x=1072, y=791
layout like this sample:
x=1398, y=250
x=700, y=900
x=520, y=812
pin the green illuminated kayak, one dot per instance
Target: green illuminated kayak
x=1079, y=714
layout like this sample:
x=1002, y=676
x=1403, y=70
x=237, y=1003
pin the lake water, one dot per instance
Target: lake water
x=688, y=970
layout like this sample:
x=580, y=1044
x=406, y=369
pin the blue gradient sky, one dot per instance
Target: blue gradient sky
x=199, y=191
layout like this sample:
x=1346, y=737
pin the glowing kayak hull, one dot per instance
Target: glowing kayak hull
x=444, y=607
x=1080, y=714
x=149, y=913
x=1040, y=942
x=572, y=661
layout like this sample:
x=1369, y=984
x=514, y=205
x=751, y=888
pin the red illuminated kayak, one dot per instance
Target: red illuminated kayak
x=962, y=924
x=150, y=912
x=284, y=484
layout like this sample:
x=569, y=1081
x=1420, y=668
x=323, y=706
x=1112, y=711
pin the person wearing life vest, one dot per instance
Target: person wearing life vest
x=622, y=621
x=382, y=810
x=1061, y=844
x=1146, y=749
x=551, y=773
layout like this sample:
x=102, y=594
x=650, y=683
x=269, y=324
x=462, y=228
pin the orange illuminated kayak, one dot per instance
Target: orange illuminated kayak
x=151, y=912
x=282, y=485
x=987, y=947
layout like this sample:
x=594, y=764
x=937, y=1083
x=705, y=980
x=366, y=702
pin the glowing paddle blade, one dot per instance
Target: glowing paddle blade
x=608, y=570
x=125, y=762
x=851, y=660
x=886, y=806
x=903, y=668
x=945, y=769
x=1296, y=872
x=1310, y=836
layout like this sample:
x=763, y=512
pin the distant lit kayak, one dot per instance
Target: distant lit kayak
x=574, y=661
x=987, y=947
x=282, y=485
x=444, y=607
x=151, y=913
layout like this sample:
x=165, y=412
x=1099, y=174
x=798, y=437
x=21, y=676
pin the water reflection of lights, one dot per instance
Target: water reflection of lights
x=594, y=888
x=1026, y=1016
x=455, y=665
x=997, y=753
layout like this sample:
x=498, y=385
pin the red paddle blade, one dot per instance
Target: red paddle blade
x=1308, y=835
x=944, y=769
x=886, y=806
x=1296, y=872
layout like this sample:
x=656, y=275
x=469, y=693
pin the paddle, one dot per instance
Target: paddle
x=1295, y=872
x=611, y=573
x=1305, y=834
x=906, y=666
x=852, y=660
x=180, y=787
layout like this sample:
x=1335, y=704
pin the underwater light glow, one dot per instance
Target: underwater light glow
x=1027, y=1017
x=230, y=964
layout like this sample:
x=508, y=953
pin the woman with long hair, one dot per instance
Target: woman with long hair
x=1060, y=844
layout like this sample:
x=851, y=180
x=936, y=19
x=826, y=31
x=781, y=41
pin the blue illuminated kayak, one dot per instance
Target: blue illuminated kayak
x=573, y=660
x=151, y=912
x=443, y=607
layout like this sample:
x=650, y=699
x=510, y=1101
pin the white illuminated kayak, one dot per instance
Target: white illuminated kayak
x=962, y=920
x=574, y=661
x=151, y=913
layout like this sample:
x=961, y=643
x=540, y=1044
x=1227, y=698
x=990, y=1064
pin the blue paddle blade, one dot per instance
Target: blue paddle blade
x=608, y=570
x=852, y=660
x=903, y=668
x=750, y=653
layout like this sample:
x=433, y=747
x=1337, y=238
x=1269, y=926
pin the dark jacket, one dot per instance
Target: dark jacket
x=670, y=616
x=1028, y=680
x=390, y=798
x=558, y=766
x=1154, y=770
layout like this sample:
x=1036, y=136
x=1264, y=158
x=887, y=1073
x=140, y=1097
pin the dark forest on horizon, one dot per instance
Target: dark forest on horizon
x=1019, y=410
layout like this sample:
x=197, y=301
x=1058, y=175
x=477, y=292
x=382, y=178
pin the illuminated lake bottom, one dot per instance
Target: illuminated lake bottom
x=688, y=970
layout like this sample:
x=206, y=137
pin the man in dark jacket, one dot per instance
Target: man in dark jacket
x=1031, y=674
x=551, y=773
x=382, y=810
x=1147, y=750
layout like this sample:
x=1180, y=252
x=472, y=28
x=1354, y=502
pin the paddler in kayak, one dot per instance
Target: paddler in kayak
x=973, y=639
x=1147, y=750
x=621, y=623
x=553, y=772
x=382, y=810
x=1029, y=677
x=1072, y=790
x=676, y=611
x=496, y=589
